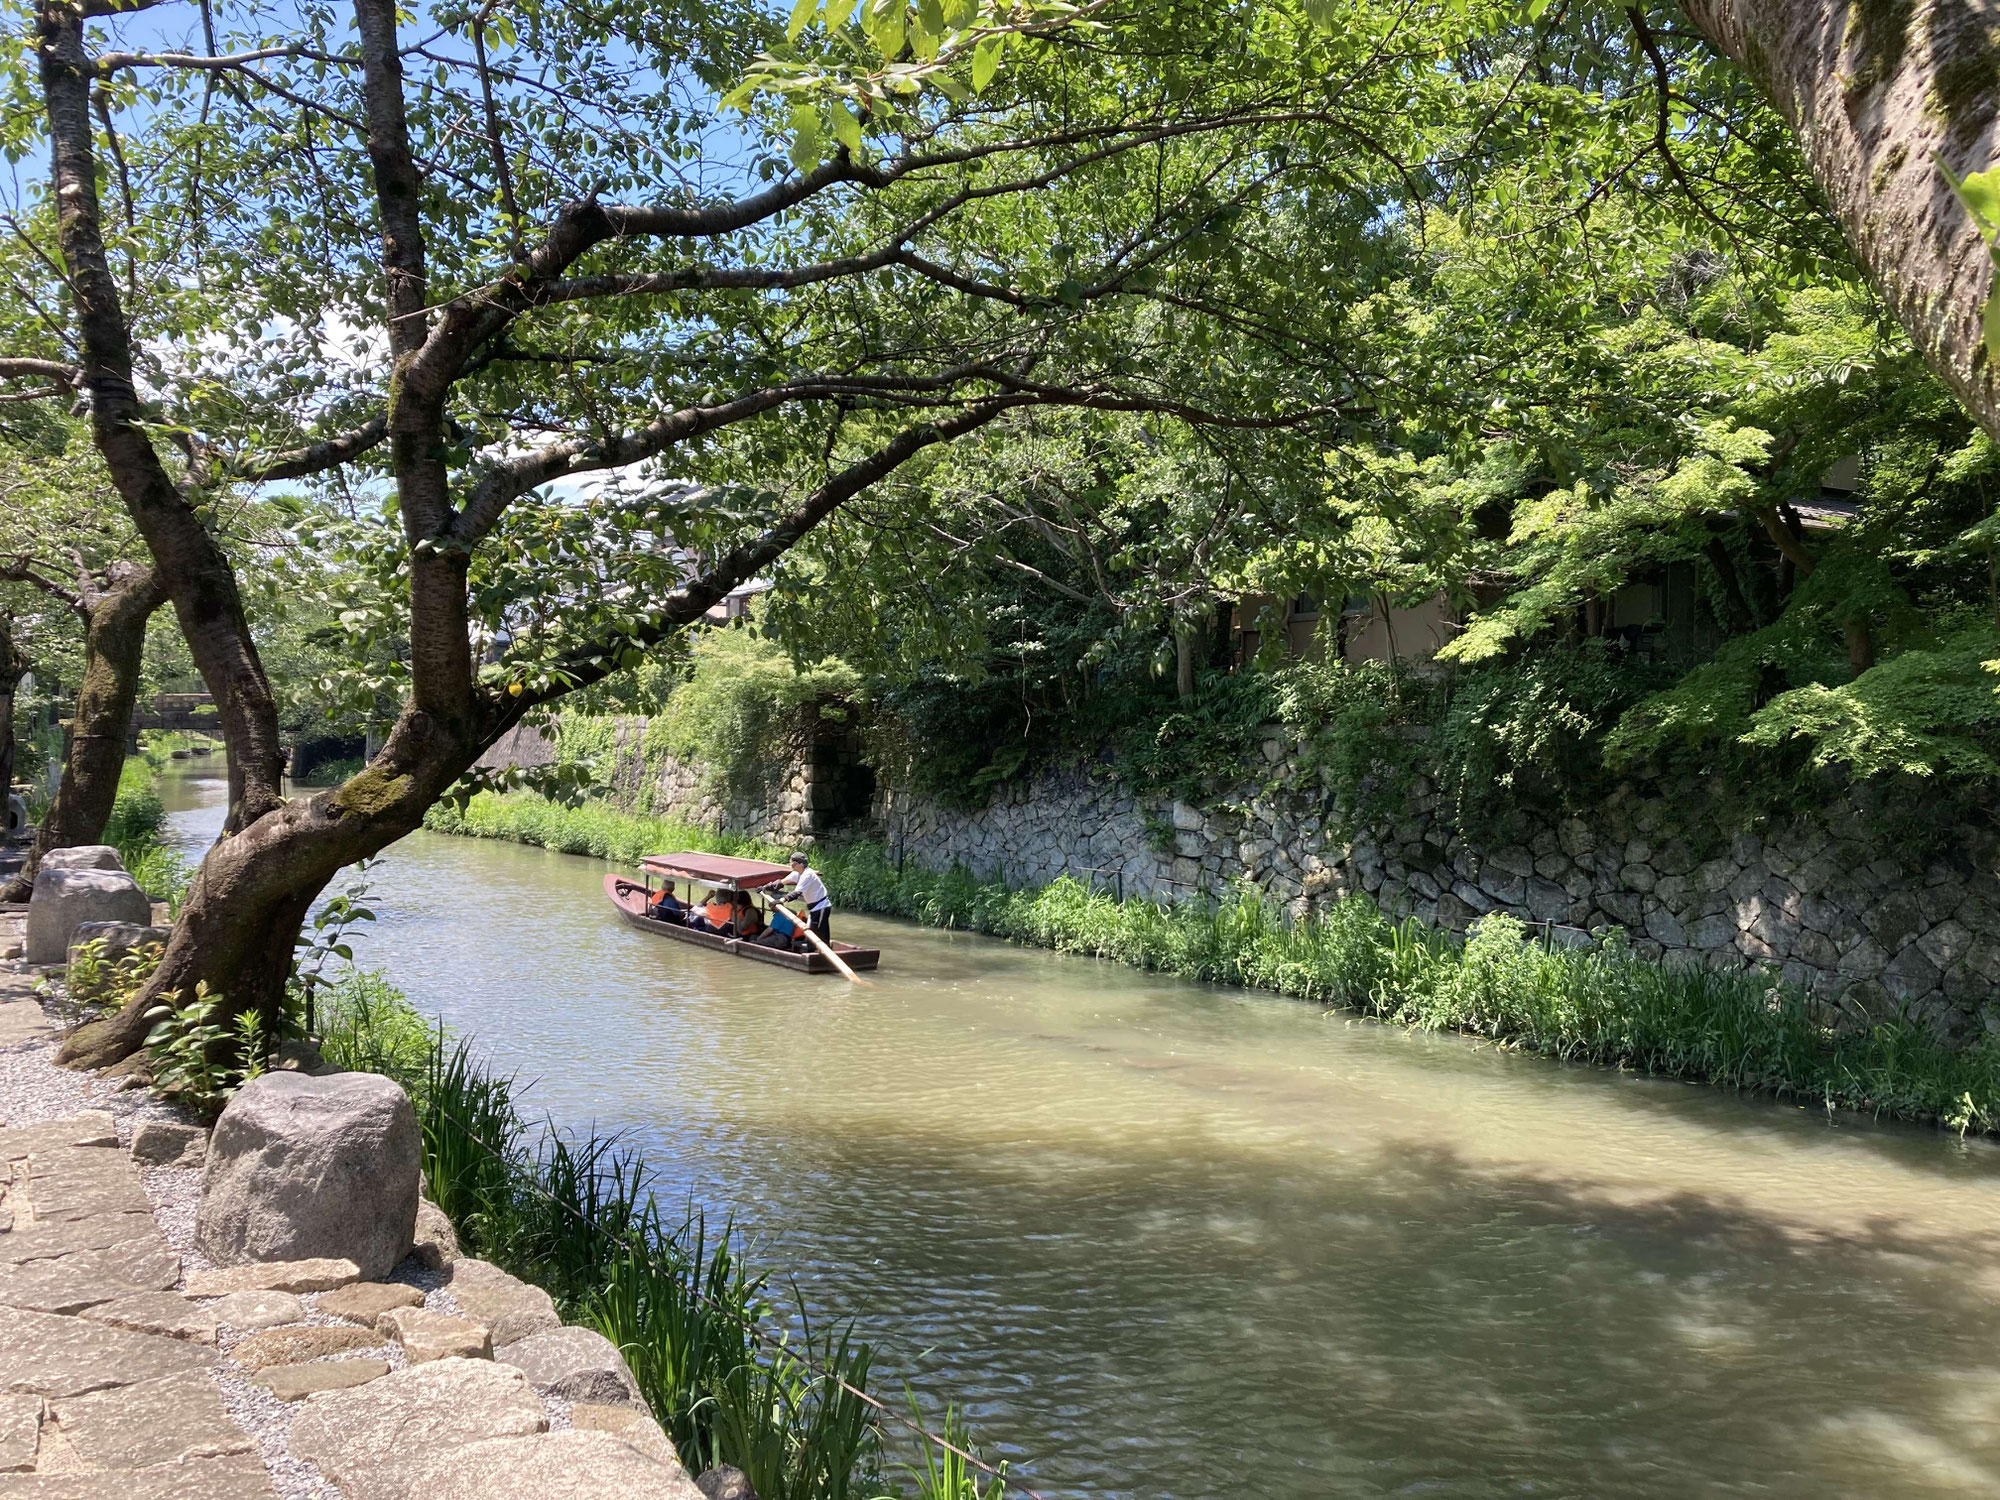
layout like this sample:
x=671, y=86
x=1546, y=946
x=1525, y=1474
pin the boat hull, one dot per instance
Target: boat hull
x=630, y=899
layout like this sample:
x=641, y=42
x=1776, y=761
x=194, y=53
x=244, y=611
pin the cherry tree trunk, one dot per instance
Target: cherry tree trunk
x=114, y=647
x=243, y=910
x=1877, y=94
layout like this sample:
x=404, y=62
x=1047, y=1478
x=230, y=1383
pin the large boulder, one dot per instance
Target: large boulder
x=82, y=857
x=116, y=939
x=63, y=900
x=303, y=1168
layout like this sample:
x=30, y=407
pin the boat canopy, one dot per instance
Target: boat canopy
x=716, y=870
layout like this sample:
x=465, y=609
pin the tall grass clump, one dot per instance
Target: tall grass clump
x=1597, y=1003
x=730, y=1378
x=136, y=826
x=600, y=832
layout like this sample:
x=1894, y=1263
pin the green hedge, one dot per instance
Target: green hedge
x=1599, y=1004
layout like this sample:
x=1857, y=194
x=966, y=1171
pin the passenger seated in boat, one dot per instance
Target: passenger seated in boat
x=667, y=907
x=715, y=916
x=747, y=922
x=784, y=932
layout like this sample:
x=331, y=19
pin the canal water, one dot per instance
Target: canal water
x=1168, y=1240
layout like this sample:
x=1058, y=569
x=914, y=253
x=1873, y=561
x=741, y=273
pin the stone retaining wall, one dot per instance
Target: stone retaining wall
x=809, y=794
x=1818, y=899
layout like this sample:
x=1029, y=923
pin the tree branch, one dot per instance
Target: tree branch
x=110, y=62
x=312, y=458
x=41, y=369
x=22, y=569
x=511, y=478
x=683, y=606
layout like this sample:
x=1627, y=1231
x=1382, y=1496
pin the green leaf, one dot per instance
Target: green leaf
x=985, y=63
x=883, y=21
x=837, y=12
x=1980, y=193
x=950, y=87
x=847, y=129
x=802, y=14
x=806, y=138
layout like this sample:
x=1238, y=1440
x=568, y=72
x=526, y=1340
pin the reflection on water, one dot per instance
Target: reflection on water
x=1163, y=1239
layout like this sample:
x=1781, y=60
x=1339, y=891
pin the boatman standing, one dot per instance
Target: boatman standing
x=805, y=883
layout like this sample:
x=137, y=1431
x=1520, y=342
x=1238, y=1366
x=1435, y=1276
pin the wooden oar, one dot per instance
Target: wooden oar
x=805, y=926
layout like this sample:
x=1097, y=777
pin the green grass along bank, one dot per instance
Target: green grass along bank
x=733, y=1375
x=1599, y=1003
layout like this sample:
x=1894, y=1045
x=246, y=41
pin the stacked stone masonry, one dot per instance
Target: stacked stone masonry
x=806, y=796
x=1822, y=900
x=1817, y=899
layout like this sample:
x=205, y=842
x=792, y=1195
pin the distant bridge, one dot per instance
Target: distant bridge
x=189, y=713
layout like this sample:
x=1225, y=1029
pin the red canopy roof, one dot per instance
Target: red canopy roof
x=716, y=869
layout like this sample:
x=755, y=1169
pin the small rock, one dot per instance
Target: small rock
x=163, y=1143
x=258, y=1310
x=436, y=1245
x=574, y=1364
x=116, y=940
x=296, y=1382
x=426, y=1335
x=166, y=1313
x=366, y=1301
x=291, y=1346
x=725, y=1482
x=508, y=1306
x=274, y=1276
x=296, y=1055
x=301, y=1167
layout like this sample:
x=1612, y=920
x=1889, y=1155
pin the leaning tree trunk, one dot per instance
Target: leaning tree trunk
x=114, y=649
x=12, y=669
x=1877, y=95
x=244, y=907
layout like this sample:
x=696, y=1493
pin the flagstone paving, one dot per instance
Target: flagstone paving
x=129, y=1370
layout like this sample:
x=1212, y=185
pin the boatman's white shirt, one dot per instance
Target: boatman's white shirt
x=811, y=889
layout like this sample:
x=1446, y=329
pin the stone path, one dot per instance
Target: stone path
x=130, y=1370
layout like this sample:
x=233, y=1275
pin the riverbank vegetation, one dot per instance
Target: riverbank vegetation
x=1597, y=1003
x=733, y=1374
x=138, y=821
x=1240, y=331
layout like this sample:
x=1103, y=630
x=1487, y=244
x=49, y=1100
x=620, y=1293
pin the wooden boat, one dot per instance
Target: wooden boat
x=633, y=897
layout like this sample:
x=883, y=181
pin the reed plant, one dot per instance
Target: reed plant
x=729, y=1380
x=1597, y=1003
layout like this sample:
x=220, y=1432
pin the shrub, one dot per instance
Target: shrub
x=95, y=986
